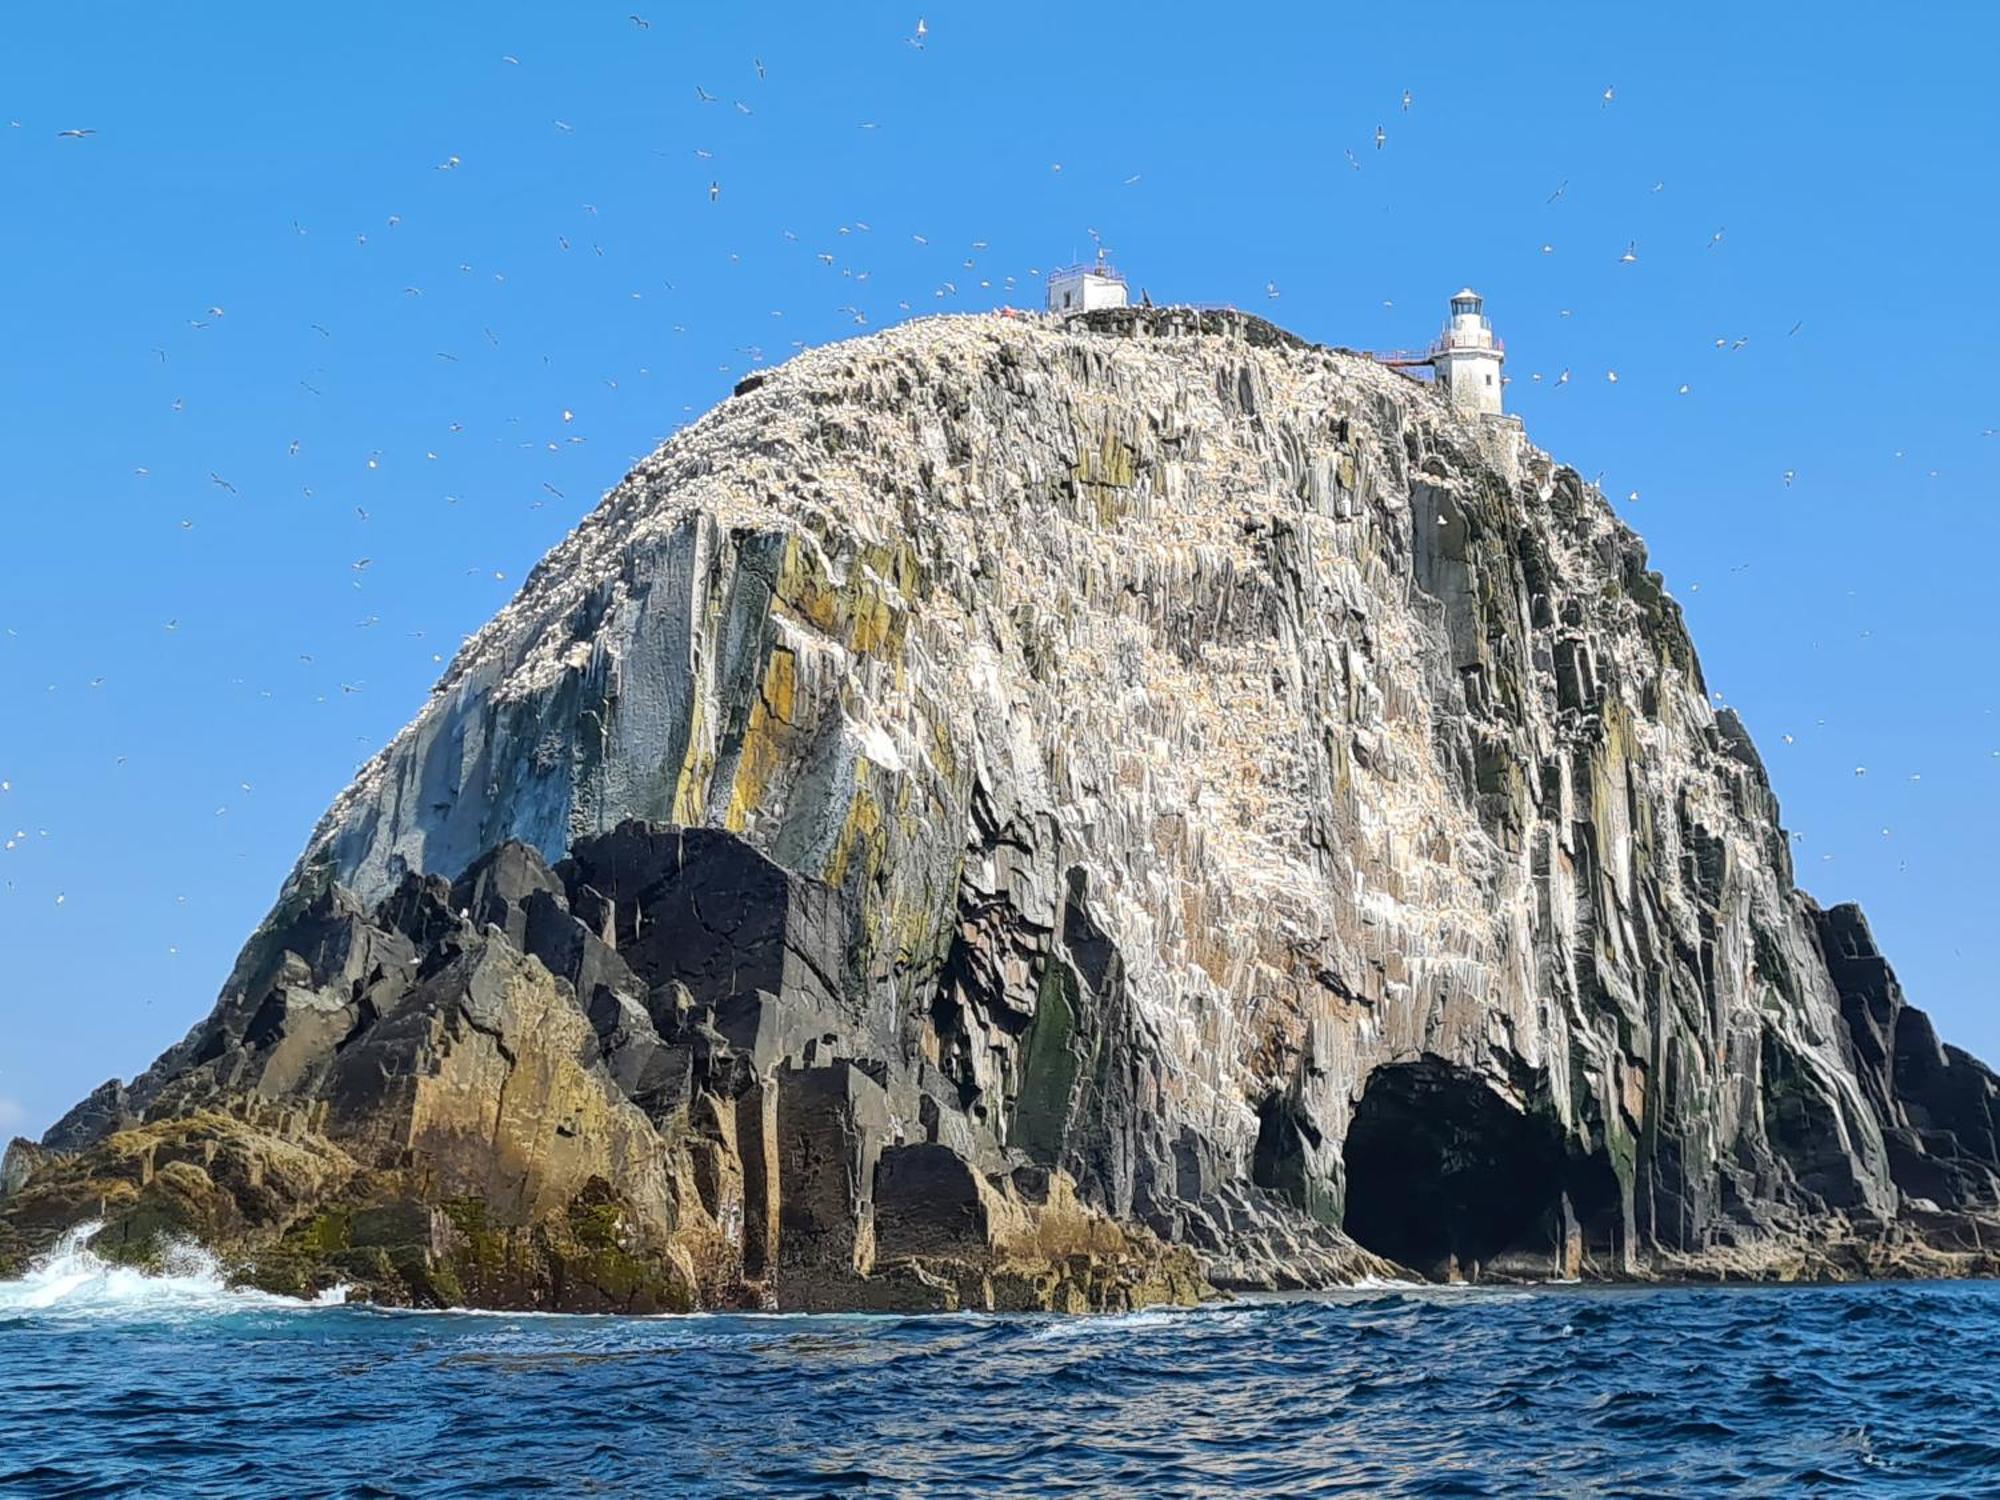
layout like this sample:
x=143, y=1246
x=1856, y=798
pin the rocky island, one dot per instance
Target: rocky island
x=1026, y=813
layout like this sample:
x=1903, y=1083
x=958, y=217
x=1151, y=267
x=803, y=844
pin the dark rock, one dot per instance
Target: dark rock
x=928, y=1202
x=495, y=890
x=104, y=1110
x=699, y=913
x=1444, y=1173
x=22, y=1160
x=1936, y=1104
x=831, y=1123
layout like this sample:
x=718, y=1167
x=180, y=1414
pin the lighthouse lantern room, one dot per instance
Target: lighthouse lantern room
x=1467, y=357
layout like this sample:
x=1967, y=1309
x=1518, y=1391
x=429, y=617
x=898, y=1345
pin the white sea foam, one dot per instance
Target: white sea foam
x=1387, y=1284
x=1100, y=1325
x=72, y=1280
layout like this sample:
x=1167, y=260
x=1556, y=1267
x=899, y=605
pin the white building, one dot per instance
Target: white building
x=1086, y=287
x=1467, y=357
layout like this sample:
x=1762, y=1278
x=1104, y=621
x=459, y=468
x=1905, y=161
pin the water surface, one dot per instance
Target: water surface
x=114, y=1383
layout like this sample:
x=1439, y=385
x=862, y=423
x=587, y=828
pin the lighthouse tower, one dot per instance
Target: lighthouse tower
x=1467, y=357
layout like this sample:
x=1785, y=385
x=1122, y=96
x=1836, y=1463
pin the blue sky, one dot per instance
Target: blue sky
x=207, y=628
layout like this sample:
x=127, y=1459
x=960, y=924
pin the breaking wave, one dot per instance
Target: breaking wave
x=74, y=1281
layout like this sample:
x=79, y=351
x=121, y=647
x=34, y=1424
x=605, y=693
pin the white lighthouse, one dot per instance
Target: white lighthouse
x=1467, y=357
x=1086, y=287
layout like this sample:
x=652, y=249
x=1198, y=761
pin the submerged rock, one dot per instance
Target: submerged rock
x=1007, y=813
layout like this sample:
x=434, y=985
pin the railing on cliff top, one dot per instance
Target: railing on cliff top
x=1102, y=268
x=1443, y=342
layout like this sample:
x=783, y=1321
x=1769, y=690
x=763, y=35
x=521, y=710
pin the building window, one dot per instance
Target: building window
x=1065, y=299
x=1489, y=379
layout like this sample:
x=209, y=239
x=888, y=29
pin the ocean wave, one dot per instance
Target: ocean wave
x=74, y=1281
x=1390, y=1392
x=1062, y=1328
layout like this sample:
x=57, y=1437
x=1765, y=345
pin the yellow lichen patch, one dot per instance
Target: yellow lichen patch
x=1106, y=466
x=763, y=750
x=697, y=765
x=943, y=747
x=857, y=611
x=1106, y=459
x=803, y=587
x=781, y=682
x=861, y=836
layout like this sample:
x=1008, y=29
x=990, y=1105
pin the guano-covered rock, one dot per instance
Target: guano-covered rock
x=1018, y=813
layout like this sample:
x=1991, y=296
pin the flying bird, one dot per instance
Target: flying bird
x=702, y=95
x=73, y=135
x=1631, y=254
x=1381, y=137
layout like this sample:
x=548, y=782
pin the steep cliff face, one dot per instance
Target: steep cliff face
x=1155, y=781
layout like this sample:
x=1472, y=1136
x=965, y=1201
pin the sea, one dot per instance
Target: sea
x=118, y=1383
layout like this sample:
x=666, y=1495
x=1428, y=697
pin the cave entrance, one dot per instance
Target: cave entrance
x=1445, y=1176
